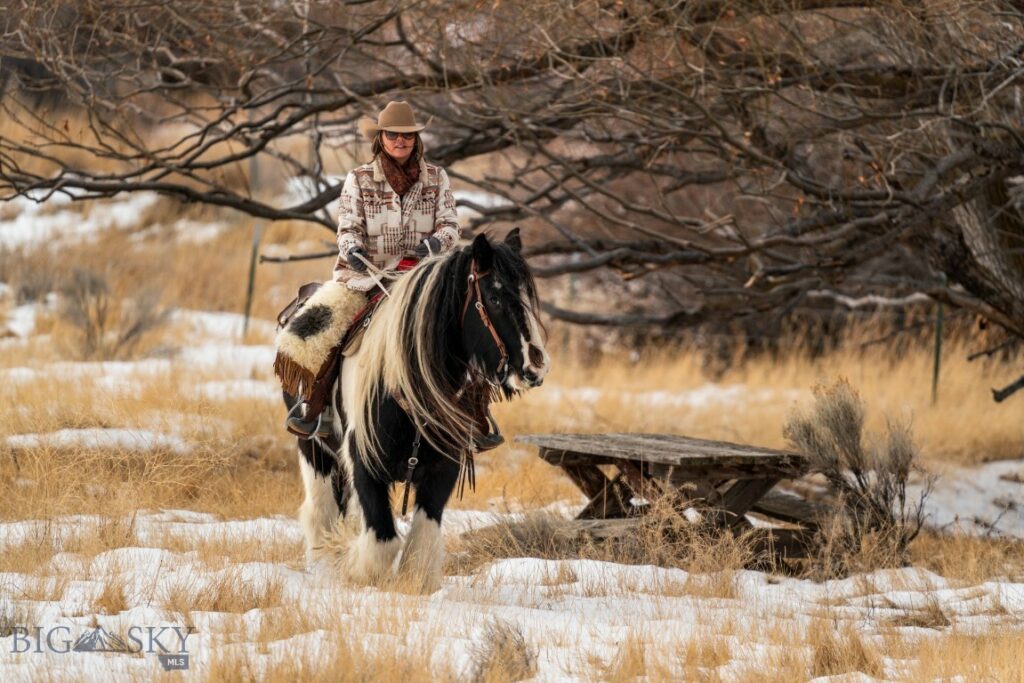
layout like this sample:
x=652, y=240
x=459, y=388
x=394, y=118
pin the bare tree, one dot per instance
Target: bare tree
x=744, y=158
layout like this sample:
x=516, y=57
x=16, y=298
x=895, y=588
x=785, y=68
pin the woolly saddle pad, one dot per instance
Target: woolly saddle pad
x=306, y=342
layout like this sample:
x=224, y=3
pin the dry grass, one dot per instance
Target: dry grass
x=990, y=657
x=630, y=661
x=248, y=469
x=663, y=537
x=222, y=551
x=969, y=559
x=113, y=599
x=230, y=591
x=840, y=651
x=502, y=654
x=339, y=660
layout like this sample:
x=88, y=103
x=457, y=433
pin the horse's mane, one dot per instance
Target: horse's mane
x=407, y=348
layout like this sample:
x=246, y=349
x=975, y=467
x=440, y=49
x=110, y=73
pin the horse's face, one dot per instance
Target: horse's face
x=510, y=302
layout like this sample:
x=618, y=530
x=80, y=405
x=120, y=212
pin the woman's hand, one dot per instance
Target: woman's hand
x=428, y=247
x=354, y=262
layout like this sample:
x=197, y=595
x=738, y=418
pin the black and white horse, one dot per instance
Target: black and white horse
x=456, y=323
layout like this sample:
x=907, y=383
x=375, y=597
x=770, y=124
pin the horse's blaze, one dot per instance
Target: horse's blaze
x=534, y=355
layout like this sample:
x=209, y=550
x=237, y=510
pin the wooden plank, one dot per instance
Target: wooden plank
x=590, y=480
x=784, y=543
x=679, y=451
x=560, y=456
x=601, y=529
x=738, y=499
x=640, y=484
x=790, y=508
x=686, y=470
x=610, y=503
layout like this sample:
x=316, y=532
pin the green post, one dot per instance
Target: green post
x=251, y=287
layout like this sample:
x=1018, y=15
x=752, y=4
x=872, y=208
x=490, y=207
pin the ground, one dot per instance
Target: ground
x=152, y=486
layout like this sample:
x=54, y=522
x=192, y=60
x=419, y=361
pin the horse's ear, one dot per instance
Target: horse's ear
x=513, y=240
x=483, y=253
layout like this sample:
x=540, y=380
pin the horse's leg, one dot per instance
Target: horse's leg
x=320, y=509
x=372, y=553
x=423, y=557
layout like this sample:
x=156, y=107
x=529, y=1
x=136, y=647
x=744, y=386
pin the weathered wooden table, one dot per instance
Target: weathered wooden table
x=723, y=480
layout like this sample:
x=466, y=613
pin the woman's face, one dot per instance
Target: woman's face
x=398, y=145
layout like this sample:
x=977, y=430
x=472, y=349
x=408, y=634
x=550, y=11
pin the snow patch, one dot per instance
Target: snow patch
x=234, y=389
x=219, y=326
x=36, y=222
x=100, y=438
x=986, y=499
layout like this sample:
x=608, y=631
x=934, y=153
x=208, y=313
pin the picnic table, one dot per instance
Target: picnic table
x=724, y=481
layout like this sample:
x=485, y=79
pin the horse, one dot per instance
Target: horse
x=455, y=325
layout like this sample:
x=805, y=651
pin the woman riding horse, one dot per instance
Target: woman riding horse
x=458, y=331
x=394, y=211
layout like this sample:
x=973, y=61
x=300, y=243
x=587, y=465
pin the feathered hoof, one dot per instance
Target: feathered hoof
x=365, y=560
x=421, y=568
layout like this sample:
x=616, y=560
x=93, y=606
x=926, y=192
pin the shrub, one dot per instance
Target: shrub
x=875, y=523
x=107, y=328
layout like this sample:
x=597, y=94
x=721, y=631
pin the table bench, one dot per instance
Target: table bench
x=724, y=481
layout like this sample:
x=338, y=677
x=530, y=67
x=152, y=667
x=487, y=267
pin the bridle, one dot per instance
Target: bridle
x=473, y=292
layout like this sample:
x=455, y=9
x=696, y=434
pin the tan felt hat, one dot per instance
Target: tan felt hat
x=397, y=117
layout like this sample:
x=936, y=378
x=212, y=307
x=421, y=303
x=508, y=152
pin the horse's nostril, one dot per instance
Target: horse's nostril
x=536, y=355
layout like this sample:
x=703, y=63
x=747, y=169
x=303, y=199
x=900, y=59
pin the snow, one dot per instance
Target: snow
x=229, y=358
x=570, y=611
x=300, y=189
x=210, y=326
x=479, y=198
x=239, y=389
x=21, y=320
x=34, y=223
x=196, y=232
x=986, y=499
x=100, y=438
x=700, y=397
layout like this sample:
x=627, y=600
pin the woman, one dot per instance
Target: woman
x=394, y=211
x=395, y=207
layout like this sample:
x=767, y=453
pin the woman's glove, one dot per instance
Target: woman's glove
x=354, y=262
x=428, y=247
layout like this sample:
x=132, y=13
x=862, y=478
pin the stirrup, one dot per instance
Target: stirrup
x=491, y=440
x=307, y=429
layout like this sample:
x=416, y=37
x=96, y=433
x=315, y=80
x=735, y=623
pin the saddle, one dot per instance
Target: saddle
x=319, y=394
x=349, y=344
x=353, y=335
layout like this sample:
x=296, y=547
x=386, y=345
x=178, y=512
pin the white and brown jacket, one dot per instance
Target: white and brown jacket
x=389, y=227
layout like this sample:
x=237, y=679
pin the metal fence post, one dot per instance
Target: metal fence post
x=251, y=287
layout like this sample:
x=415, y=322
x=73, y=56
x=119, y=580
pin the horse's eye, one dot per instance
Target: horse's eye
x=494, y=301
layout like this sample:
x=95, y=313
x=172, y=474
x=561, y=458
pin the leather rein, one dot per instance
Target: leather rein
x=473, y=292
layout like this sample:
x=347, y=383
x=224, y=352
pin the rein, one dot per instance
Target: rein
x=467, y=471
x=473, y=292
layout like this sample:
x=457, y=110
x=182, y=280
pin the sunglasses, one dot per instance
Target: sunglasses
x=391, y=135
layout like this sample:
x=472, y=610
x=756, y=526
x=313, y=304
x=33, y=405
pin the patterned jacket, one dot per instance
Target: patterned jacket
x=389, y=227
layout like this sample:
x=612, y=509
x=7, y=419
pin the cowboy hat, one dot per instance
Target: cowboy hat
x=397, y=117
